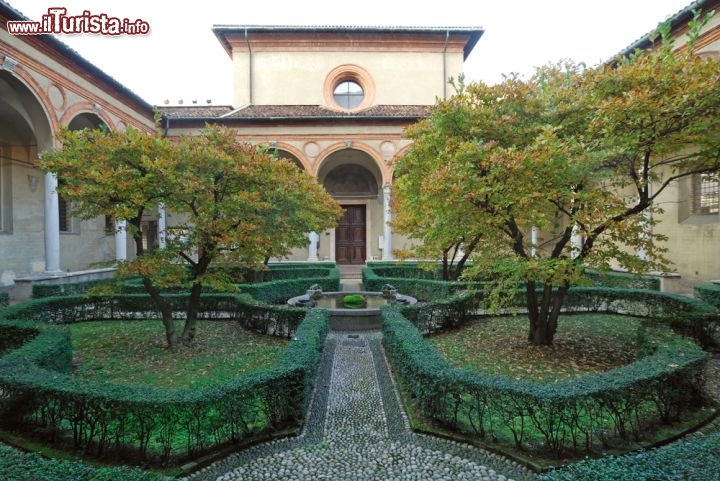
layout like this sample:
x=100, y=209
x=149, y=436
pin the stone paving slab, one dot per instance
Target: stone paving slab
x=357, y=430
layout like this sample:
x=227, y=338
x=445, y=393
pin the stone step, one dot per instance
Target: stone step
x=350, y=271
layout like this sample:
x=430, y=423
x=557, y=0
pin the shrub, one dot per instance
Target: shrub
x=19, y=466
x=443, y=314
x=622, y=280
x=354, y=301
x=4, y=299
x=279, y=291
x=709, y=293
x=413, y=281
x=72, y=288
x=291, y=282
x=694, y=458
x=580, y=414
x=150, y=422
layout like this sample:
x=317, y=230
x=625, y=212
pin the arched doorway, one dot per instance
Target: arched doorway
x=352, y=178
x=25, y=132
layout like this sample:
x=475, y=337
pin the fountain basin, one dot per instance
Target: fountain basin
x=355, y=319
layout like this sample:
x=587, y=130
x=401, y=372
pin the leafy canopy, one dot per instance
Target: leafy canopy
x=578, y=153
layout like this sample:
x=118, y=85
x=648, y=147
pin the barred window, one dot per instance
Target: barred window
x=706, y=193
x=64, y=214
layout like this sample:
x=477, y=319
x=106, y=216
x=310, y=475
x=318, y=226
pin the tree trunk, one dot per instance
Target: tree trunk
x=162, y=305
x=543, y=314
x=165, y=310
x=193, y=308
x=193, y=305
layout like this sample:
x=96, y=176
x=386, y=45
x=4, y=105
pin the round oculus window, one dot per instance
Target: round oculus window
x=348, y=94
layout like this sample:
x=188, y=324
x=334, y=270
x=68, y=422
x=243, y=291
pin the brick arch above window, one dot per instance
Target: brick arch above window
x=347, y=75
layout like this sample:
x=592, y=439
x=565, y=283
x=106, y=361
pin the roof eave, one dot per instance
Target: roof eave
x=221, y=32
x=296, y=119
x=68, y=52
x=681, y=18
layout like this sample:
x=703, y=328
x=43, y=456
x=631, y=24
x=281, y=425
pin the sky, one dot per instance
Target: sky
x=180, y=59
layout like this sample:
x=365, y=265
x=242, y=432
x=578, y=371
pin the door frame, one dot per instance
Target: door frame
x=367, y=227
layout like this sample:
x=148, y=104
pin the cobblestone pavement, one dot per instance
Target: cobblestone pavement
x=357, y=430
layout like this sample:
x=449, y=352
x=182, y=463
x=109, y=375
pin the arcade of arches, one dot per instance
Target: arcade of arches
x=36, y=226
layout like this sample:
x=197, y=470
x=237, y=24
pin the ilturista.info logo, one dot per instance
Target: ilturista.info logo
x=57, y=21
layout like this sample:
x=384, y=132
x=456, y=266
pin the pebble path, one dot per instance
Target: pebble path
x=356, y=430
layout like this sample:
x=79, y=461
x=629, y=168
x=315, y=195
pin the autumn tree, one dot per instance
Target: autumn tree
x=577, y=153
x=225, y=195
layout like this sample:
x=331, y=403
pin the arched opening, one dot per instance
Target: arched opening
x=81, y=121
x=353, y=178
x=25, y=132
x=284, y=154
x=86, y=120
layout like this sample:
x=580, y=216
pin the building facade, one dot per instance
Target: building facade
x=45, y=85
x=691, y=217
x=336, y=101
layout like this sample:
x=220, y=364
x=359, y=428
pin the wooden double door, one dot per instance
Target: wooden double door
x=350, y=236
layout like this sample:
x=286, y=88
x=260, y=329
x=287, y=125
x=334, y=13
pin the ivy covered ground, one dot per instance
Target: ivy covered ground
x=134, y=352
x=584, y=344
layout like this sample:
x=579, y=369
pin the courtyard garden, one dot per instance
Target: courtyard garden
x=91, y=376
x=523, y=355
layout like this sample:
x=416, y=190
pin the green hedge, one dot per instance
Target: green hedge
x=411, y=281
x=278, y=292
x=71, y=288
x=291, y=282
x=709, y=293
x=4, y=299
x=154, y=423
x=582, y=414
x=20, y=466
x=426, y=284
x=687, y=316
x=694, y=458
x=253, y=314
x=443, y=314
x=622, y=280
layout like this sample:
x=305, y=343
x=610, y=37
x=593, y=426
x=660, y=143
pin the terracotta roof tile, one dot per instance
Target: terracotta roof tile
x=195, y=111
x=294, y=112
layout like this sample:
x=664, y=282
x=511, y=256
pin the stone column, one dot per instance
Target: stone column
x=313, y=247
x=576, y=242
x=52, y=225
x=120, y=241
x=533, y=241
x=387, y=230
x=162, y=226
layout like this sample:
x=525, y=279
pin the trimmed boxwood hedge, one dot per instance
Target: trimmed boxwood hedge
x=70, y=288
x=153, y=423
x=16, y=465
x=582, y=414
x=709, y=293
x=412, y=281
x=292, y=280
x=622, y=280
x=424, y=284
x=278, y=292
x=694, y=458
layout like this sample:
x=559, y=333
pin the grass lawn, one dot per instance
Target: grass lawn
x=584, y=343
x=134, y=352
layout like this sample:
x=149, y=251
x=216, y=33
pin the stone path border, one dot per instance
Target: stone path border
x=357, y=430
